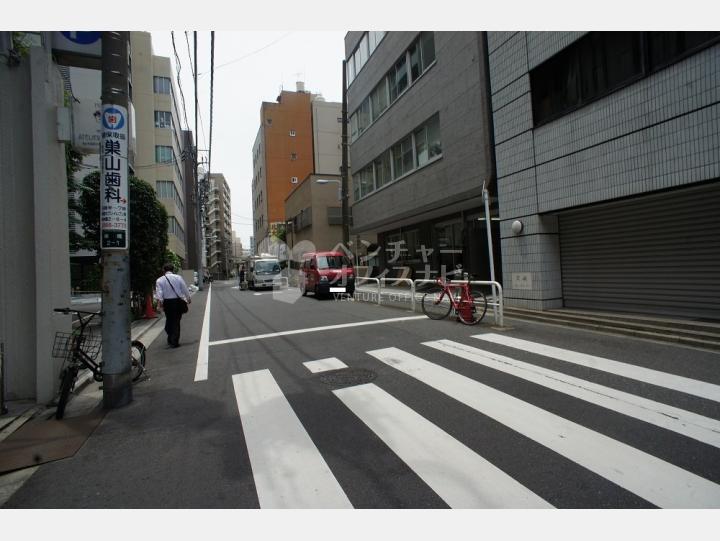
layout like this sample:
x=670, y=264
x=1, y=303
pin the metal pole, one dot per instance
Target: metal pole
x=198, y=189
x=490, y=246
x=3, y=409
x=344, y=167
x=115, y=241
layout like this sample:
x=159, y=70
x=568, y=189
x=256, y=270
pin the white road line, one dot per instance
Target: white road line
x=201, y=369
x=461, y=477
x=288, y=469
x=647, y=375
x=655, y=480
x=683, y=422
x=316, y=329
x=323, y=365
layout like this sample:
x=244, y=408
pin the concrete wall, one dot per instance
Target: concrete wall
x=34, y=267
x=452, y=87
x=327, y=137
x=658, y=133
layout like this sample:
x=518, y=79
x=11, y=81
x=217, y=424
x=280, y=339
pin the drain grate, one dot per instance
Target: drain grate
x=345, y=377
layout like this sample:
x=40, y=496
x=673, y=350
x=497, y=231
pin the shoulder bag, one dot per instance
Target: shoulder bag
x=184, y=308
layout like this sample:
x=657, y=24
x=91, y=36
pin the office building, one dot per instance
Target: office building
x=160, y=140
x=608, y=166
x=420, y=150
x=282, y=158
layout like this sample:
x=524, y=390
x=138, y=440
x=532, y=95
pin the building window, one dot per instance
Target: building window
x=164, y=154
x=269, y=121
x=166, y=189
x=162, y=85
x=383, y=171
x=420, y=147
x=293, y=156
x=379, y=99
x=402, y=154
x=601, y=62
x=361, y=54
x=293, y=180
x=408, y=68
x=363, y=117
x=292, y=133
x=665, y=48
x=163, y=119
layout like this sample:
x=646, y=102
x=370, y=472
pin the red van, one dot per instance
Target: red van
x=327, y=272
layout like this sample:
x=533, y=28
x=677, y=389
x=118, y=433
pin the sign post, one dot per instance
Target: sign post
x=114, y=221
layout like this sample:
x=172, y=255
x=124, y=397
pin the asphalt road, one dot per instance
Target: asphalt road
x=425, y=415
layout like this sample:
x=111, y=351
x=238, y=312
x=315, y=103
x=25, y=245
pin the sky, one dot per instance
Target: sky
x=250, y=67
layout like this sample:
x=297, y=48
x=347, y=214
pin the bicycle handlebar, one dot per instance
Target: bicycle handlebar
x=66, y=311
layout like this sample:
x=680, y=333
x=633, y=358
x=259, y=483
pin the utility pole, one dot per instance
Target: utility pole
x=344, y=166
x=198, y=189
x=114, y=221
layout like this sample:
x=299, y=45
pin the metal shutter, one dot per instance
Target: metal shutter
x=656, y=254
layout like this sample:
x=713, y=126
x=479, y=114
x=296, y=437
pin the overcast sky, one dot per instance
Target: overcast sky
x=250, y=67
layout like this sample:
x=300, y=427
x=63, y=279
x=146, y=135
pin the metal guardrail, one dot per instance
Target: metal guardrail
x=496, y=301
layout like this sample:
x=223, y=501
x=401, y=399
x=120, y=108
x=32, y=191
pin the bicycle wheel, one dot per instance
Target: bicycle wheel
x=477, y=310
x=137, y=358
x=435, y=305
x=68, y=381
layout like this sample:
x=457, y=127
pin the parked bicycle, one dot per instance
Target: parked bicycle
x=80, y=349
x=466, y=301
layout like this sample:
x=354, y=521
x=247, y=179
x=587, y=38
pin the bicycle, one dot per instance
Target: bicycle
x=80, y=349
x=468, y=302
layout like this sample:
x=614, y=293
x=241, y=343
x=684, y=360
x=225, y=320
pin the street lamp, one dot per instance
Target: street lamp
x=327, y=181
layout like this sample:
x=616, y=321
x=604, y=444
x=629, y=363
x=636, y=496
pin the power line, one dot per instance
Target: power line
x=179, y=68
x=212, y=81
x=251, y=53
x=199, y=112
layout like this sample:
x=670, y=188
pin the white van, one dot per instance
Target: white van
x=264, y=272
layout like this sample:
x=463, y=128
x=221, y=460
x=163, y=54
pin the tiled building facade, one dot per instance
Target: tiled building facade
x=612, y=168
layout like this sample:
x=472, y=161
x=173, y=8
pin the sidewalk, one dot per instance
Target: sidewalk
x=21, y=411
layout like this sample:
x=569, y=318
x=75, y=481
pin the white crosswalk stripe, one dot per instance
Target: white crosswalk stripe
x=639, y=373
x=649, y=477
x=288, y=469
x=683, y=422
x=290, y=472
x=457, y=474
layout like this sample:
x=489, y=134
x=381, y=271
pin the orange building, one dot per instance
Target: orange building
x=282, y=157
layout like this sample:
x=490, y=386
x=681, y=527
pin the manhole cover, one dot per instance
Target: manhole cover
x=347, y=376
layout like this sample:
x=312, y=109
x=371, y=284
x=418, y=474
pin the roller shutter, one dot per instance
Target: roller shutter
x=656, y=254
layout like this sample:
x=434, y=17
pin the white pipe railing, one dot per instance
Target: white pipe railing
x=403, y=280
x=368, y=279
x=497, y=299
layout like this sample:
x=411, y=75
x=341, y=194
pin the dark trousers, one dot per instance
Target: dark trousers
x=173, y=314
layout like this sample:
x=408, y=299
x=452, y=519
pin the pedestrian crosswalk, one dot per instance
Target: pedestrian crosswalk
x=290, y=470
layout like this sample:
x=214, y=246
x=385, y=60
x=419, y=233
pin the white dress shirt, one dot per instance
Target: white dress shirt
x=163, y=290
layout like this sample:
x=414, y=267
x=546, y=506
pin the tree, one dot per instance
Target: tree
x=172, y=257
x=148, y=229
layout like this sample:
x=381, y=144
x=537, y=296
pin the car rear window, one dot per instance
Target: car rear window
x=333, y=261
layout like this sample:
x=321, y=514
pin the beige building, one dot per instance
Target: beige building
x=159, y=134
x=218, y=227
x=314, y=215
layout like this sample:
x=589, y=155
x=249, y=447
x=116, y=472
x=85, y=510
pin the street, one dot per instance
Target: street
x=275, y=400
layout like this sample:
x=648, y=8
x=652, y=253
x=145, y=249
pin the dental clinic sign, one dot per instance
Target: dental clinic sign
x=114, y=178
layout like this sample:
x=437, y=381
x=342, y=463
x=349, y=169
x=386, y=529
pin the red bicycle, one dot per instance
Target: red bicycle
x=468, y=302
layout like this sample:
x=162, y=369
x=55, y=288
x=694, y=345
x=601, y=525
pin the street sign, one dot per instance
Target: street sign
x=84, y=43
x=114, y=178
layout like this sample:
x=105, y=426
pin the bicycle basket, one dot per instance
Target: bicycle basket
x=65, y=342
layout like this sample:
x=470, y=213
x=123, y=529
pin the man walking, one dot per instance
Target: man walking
x=172, y=295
